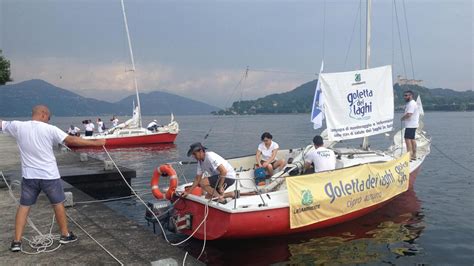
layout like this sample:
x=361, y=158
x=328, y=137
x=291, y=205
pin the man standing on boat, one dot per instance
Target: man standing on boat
x=222, y=174
x=36, y=139
x=89, y=128
x=411, y=118
x=100, y=126
x=322, y=158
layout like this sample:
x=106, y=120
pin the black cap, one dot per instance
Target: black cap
x=195, y=147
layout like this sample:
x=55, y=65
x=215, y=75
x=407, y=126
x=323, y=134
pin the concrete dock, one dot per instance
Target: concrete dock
x=123, y=238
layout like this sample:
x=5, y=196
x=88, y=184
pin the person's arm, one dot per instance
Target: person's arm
x=307, y=162
x=1, y=122
x=220, y=182
x=274, y=154
x=77, y=141
x=257, y=156
x=409, y=111
x=406, y=116
x=196, y=182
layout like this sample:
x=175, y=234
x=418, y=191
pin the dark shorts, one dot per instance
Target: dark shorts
x=213, y=181
x=89, y=133
x=274, y=161
x=410, y=133
x=30, y=189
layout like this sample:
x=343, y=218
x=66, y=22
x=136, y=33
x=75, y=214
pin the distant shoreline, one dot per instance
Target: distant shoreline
x=396, y=111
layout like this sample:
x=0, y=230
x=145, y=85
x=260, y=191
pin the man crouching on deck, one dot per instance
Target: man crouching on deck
x=40, y=172
x=222, y=173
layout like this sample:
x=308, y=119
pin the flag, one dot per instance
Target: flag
x=317, y=114
x=420, y=106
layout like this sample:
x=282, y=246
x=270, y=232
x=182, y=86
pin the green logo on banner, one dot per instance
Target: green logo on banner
x=357, y=77
x=307, y=197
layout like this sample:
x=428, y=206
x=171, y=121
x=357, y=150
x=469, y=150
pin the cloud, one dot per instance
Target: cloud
x=113, y=80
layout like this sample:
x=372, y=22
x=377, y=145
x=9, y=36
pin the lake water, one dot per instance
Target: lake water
x=434, y=224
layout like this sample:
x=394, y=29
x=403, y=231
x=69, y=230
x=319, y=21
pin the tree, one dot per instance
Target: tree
x=4, y=70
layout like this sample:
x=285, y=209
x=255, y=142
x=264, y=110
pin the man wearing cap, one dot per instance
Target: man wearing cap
x=221, y=173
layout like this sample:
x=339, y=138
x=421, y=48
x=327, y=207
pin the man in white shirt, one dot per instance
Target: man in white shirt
x=35, y=140
x=222, y=174
x=114, y=121
x=89, y=128
x=74, y=131
x=322, y=158
x=411, y=118
x=153, y=126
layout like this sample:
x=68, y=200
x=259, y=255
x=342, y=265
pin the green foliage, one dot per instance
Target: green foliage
x=4, y=70
x=300, y=100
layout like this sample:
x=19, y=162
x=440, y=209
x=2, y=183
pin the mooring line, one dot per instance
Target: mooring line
x=206, y=213
x=84, y=230
x=40, y=242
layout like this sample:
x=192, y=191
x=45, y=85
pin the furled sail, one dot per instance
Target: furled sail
x=317, y=113
x=358, y=103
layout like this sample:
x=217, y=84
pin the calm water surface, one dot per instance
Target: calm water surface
x=433, y=224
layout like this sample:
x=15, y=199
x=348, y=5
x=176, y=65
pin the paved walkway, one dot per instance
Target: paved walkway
x=125, y=239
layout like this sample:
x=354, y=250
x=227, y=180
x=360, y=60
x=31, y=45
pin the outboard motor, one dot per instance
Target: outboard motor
x=163, y=210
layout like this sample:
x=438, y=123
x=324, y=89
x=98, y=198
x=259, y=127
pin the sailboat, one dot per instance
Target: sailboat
x=357, y=104
x=131, y=132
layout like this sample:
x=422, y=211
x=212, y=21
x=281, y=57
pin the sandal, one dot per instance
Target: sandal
x=221, y=200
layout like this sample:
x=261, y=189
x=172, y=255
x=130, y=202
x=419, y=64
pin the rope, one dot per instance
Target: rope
x=156, y=217
x=352, y=34
x=107, y=200
x=83, y=230
x=444, y=154
x=40, y=242
x=324, y=28
x=226, y=102
x=360, y=35
x=452, y=160
x=400, y=39
x=408, y=35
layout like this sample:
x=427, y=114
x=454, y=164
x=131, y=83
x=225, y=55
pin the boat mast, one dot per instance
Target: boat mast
x=133, y=64
x=365, y=142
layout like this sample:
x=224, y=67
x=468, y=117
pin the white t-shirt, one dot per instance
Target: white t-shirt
x=152, y=123
x=100, y=124
x=412, y=108
x=90, y=127
x=267, y=153
x=35, y=140
x=211, y=161
x=323, y=159
x=115, y=122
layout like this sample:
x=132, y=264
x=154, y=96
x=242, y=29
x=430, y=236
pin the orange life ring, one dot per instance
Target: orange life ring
x=155, y=180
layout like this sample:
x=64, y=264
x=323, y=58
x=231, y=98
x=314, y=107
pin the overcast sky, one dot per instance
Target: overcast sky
x=200, y=49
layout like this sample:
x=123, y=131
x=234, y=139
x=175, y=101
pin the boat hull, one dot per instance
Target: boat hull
x=273, y=222
x=113, y=141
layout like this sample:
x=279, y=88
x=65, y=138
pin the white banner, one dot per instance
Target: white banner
x=358, y=103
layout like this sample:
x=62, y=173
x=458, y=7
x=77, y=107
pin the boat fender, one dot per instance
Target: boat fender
x=164, y=170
